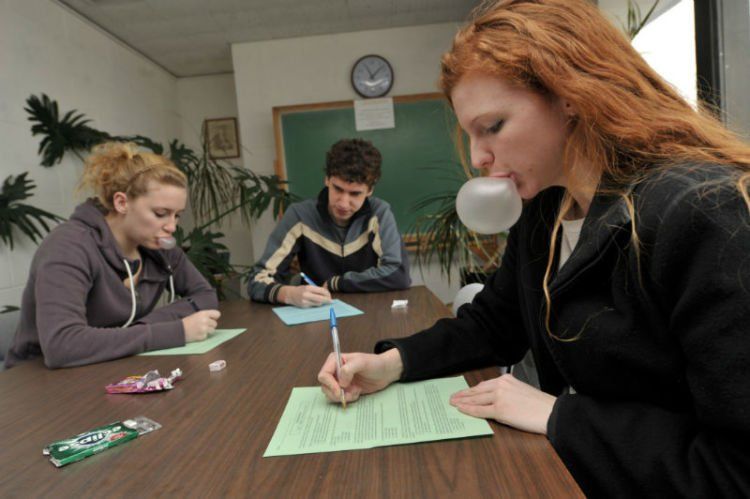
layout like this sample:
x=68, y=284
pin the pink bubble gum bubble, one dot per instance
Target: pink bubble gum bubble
x=167, y=243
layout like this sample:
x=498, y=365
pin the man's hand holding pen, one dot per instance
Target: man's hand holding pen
x=304, y=296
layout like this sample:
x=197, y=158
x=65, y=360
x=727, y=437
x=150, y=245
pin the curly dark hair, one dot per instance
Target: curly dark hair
x=354, y=160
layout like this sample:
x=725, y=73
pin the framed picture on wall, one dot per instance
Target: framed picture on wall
x=222, y=138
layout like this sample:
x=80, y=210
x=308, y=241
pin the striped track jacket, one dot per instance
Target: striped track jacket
x=371, y=257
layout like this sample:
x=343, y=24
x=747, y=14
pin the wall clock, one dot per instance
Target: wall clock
x=372, y=76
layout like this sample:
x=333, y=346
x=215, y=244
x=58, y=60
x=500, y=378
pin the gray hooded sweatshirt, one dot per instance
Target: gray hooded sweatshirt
x=75, y=305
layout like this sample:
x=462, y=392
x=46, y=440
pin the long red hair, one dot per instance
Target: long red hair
x=629, y=120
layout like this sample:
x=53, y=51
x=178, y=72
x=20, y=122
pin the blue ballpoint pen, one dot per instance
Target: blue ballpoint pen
x=337, y=351
x=307, y=279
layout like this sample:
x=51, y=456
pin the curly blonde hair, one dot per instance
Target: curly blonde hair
x=121, y=167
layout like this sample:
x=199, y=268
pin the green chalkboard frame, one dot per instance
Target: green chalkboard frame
x=419, y=155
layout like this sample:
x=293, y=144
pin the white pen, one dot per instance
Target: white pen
x=337, y=351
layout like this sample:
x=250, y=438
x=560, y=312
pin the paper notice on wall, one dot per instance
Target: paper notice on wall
x=374, y=114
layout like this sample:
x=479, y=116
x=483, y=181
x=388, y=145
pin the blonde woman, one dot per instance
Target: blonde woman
x=96, y=279
x=627, y=275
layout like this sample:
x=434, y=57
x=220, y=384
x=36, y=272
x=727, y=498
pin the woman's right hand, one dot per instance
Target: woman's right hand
x=361, y=373
x=199, y=325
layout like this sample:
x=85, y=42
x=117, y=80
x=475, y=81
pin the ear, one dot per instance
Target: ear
x=120, y=202
x=327, y=182
x=569, y=109
x=369, y=193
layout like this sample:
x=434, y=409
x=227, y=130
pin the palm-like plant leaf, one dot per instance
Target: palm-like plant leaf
x=205, y=251
x=71, y=133
x=440, y=233
x=211, y=189
x=276, y=189
x=255, y=193
x=182, y=156
x=635, y=20
x=28, y=219
x=142, y=141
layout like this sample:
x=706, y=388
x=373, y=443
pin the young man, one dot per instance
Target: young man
x=345, y=241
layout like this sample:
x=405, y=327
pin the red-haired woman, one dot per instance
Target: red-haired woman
x=627, y=275
x=96, y=279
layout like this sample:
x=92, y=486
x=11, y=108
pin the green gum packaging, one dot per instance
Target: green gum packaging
x=97, y=440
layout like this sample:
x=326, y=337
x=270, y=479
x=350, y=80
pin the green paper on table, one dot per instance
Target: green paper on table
x=296, y=315
x=311, y=424
x=196, y=347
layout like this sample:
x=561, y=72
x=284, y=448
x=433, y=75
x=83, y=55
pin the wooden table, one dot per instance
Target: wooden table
x=216, y=426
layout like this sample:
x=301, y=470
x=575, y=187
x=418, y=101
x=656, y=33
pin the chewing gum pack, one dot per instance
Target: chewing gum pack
x=97, y=440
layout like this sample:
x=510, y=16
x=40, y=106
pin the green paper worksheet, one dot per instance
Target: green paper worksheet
x=403, y=413
x=197, y=347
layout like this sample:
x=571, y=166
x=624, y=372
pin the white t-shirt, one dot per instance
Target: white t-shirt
x=571, y=231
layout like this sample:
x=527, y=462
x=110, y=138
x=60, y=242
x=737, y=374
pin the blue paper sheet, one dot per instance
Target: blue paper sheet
x=295, y=315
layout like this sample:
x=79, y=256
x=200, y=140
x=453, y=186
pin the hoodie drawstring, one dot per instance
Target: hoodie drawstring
x=132, y=293
x=171, y=287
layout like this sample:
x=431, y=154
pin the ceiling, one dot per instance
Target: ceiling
x=193, y=37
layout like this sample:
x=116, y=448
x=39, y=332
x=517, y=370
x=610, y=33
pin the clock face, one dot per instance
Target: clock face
x=372, y=76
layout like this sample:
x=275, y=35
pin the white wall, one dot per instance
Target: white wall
x=317, y=69
x=204, y=97
x=46, y=48
x=207, y=97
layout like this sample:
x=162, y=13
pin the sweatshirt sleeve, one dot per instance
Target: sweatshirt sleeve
x=63, y=280
x=271, y=272
x=700, y=269
x=392, y=270
x=195, y=292
x=488, y=331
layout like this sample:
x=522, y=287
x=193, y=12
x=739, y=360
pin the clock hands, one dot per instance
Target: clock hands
x=376, y=71
x=371, y=82
x=367, y=68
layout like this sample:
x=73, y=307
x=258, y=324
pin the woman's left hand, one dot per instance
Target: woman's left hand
x=508, y=401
